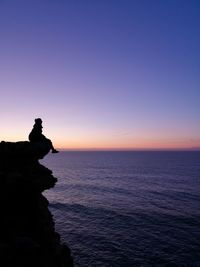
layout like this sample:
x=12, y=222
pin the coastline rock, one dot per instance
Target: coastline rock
x=27, y=230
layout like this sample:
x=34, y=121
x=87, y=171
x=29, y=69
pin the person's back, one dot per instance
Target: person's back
x=36, y=133
x=37, y=136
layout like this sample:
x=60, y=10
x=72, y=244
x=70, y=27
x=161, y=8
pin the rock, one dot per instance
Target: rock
x=24, y=149
x=27, y=230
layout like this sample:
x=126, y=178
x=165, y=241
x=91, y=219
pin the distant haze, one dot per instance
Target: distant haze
x=103, y=74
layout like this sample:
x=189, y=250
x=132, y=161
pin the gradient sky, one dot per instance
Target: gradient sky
x=121, y=74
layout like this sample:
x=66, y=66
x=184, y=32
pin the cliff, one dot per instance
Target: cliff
x=27, y=232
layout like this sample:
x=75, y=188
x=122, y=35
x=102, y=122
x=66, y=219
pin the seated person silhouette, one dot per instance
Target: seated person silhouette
x=36, y=135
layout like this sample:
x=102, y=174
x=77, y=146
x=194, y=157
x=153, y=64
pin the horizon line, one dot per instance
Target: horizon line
x=130, y=150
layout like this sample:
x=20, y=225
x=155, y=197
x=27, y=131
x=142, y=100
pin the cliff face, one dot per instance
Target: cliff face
x=27, y=233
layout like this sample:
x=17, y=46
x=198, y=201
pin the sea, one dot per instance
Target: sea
x=127, y=208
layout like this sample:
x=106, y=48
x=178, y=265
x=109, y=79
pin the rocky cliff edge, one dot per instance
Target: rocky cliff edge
x=27, y=232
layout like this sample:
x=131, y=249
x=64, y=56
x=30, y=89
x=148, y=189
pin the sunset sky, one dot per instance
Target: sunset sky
x=102, y=74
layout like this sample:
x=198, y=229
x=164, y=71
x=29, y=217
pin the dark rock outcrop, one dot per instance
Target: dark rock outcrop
x=27, y=232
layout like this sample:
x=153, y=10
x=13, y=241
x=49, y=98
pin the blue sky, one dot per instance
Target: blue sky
x=101, y=74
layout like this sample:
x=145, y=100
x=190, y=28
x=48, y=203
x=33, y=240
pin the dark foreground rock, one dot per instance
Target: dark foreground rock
x=27, y=232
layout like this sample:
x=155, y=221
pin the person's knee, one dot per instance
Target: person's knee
x=48, y=142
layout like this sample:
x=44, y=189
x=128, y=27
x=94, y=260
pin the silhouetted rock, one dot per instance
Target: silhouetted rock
x=27, y=232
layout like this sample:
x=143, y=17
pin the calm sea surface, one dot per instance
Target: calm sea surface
x=126, y=209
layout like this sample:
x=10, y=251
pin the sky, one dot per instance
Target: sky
x=102, y=74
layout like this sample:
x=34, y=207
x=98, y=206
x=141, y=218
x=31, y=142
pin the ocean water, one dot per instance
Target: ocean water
x=126, y=209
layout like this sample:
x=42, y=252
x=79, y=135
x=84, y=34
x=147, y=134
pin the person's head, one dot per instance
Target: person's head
x=38, y=121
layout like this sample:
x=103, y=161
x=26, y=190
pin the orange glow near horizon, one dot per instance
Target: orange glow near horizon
x=89, y=139
x=136, y=145
x=108, y=141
